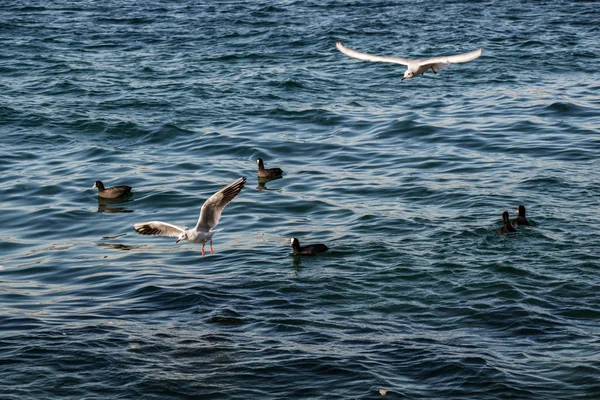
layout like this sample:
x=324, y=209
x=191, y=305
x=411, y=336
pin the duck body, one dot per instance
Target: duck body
x=112, y=192
x=507, y=227
x=310, y=249
x=267, y=173
x=521, y=219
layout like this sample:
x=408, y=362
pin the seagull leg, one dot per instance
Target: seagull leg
x=211, y=249
x=202, y=248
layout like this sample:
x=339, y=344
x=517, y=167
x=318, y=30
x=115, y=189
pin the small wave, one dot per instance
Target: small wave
x=569, y=109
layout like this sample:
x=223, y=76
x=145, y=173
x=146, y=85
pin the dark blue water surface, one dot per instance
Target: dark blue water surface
x=405, y=181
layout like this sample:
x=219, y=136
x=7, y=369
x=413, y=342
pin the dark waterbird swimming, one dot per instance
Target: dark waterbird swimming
x=507, y=227
x=520, y=220
x=310, y=249
x=267, y=173
x=113, y=192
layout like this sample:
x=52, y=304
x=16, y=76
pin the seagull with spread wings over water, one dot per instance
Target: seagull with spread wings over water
x=209, y=218
x=413, y=67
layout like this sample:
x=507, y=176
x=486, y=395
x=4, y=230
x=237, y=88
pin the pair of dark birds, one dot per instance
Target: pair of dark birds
x=210, y=213
x=311, y=249
x=510, y=226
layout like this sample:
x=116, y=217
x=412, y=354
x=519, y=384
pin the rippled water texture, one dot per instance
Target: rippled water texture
x=405, y=181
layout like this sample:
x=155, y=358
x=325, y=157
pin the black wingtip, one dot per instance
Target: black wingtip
x=234, y=188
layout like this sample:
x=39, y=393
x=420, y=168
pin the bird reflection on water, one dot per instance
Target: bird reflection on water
x=262, y=183
x=110, y=206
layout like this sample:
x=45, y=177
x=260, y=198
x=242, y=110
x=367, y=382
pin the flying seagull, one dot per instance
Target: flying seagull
x=210, y=213
x=413, y=67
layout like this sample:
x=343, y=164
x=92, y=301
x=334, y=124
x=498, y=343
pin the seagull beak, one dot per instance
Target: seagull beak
x=403, y=78
x=178, y=240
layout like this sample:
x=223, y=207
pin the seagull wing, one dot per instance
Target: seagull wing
x=370, y=57
x=441, y=62
x=158, y=228
x=210, y=214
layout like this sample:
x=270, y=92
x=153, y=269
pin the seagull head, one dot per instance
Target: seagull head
x=183, y=236
x=408, y=74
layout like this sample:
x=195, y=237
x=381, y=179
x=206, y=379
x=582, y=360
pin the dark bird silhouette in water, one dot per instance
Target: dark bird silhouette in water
x=507, y=227
x=520, y=220
x=267, y=173
x=113, y=192
x=310, y=249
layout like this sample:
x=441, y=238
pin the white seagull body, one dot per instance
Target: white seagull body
x=413, y=67
x=210, y=213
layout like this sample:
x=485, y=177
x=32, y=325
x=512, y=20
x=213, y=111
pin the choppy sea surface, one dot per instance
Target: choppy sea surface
x=405, y=181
